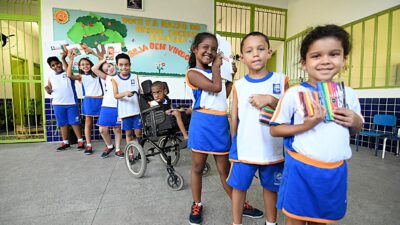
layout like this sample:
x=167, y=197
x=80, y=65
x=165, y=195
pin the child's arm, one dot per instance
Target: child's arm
x=64, y=55
x=260, y=101
x=118, y=95
x=200, y=81
x=96, y=69
x=234, y=115
x=230, y=83
x=69, y=68
x=348, y=118
x=48, y=87
x=284, y=130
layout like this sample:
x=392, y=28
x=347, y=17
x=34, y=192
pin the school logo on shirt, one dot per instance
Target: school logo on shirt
x=276, y=88
x=277, y=178
x=133, y=82
x=64, y=75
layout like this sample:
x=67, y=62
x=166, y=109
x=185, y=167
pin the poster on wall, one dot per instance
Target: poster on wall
x=157, y=47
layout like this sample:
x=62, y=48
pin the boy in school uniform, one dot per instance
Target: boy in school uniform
x=124, y=85
x=62, y=90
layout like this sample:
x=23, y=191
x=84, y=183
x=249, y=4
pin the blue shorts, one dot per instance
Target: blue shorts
x=66, y=115
x=241, y=175
x=91, y=106
x=108, y=117
x=312, y=190
x=131, y=123
x=209, y=133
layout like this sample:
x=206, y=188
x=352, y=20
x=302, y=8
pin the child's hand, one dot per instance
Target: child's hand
x=71, y=55
x=48, y=90
x=260, y=101
x=346, y=117
x=169, y=111
x=218, y=60
x=319, y=115
x=128, y=94
x=64, y=54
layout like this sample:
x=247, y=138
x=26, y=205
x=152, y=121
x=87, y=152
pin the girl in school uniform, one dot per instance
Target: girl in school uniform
x=314, y=182
x=92, y=91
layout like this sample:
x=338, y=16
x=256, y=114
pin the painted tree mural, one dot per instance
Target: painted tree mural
x=95, y=31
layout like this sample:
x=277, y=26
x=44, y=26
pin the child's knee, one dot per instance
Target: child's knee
x=103, y=130
x=198, y=168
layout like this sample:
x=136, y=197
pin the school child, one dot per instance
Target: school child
x=109, y=112
x=64, y=99
x=159, y=92
x=92, y=91
x=253, y=148
x=124, y=85
x=314, y=182
x=209, y=127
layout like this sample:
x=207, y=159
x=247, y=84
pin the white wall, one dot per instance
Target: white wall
x=307, y=13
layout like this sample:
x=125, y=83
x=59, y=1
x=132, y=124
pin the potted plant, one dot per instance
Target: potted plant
x=6, y=112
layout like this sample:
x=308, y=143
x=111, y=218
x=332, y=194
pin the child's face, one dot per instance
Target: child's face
x=124, y=66
x=256, y=53
x=158, y=93
x=206, y=52
x=324, y=59
x=108, y=68
x=85, y=66
x=56, y=66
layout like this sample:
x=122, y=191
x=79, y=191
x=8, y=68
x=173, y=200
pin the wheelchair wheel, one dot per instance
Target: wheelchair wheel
x=174, y=181
x=206, y=170
x=171, y=150
x=135, y=159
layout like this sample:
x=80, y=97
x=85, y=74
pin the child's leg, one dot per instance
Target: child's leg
x=105, y=135
x=118, y=137
x=269, y=205
x=64, y=132
x=223, y=170
x=179, y=121
x=138, y=133
x=198, y=163
x=77, y=130
x=292, y=221
x=128, y=134
x=238, y=199
x=88, y=129
x=314, y=223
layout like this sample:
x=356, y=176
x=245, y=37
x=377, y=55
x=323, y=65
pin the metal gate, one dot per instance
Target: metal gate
x=21, y=85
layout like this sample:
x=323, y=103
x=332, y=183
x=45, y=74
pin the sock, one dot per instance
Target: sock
x=110, y=146
x=237, y=223
x=66, y=142
x=80, y=140
x=198, y=203
x=117, y=150
x=268, y=223
x=89, y=144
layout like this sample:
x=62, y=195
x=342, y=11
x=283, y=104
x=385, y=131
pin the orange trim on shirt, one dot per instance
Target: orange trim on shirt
x=211, y=111
x=302, y=218
x=257, y=163
x=210, y=153
x=314, y=162
x=188, y=82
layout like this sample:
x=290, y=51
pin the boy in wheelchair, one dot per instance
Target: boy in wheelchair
x=159, y=92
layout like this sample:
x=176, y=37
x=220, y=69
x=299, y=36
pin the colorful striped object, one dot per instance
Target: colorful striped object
x=331, y=95
x=266, y=114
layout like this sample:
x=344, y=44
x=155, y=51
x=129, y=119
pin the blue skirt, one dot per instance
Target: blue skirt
x=209, y=133
x=312, y=190
x=91, y=106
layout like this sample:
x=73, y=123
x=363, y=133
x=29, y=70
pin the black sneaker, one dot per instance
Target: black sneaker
x=81, y=145
x=195, y=214
x=107, y=151
x=88, y=150
x=252, y=212
x=120, y=154
x=63, y=147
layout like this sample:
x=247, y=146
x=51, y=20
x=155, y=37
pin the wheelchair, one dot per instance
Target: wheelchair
x=160, y=132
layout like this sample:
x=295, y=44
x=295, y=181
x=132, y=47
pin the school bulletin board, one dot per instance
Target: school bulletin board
x=156, y=47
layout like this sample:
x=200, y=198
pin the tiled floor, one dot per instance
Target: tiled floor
x=41, y=186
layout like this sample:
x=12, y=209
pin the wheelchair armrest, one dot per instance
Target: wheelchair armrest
x=150, y=109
